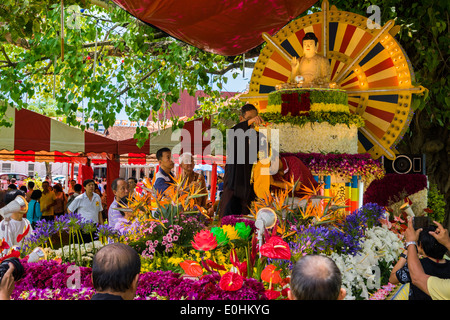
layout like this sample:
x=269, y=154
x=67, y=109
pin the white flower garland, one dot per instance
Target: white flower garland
x=359, y=272
x=316, y=138
x=87, y=250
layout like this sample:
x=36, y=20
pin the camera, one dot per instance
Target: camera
x=18, y=268
x=406, y=164
x=421, y=222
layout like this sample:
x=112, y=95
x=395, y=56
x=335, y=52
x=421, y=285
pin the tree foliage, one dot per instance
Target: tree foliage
x=105, y=61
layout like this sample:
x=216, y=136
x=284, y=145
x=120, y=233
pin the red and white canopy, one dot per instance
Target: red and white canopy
x=35, y=137
x=31, y=131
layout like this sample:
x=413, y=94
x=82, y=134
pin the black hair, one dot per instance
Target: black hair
x=57, y=187
x=430, y=245
x=115, y=183
x=87, y=181
x=310, y=36
x=30, y=184
x=10, y=195
x=77, y=187
x=12, y=186
x=160, y=152
x=247, y=107
x=114, y=267
x=133, y=178
x=23, y=188
x=316, y=277
x=36, y=194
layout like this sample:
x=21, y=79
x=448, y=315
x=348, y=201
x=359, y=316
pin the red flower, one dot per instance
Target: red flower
x=276, y=248
x=272, y=294
x=234, y=258
x=204, y=241
x=231, y=281
x=285, y=281
x=13, y=254
x=25, y=232
x=210, y=265
x=3, y=245
x=243, y=269
x=270, y=274
x=305, y=103
x=192, y=268
x=285, y=291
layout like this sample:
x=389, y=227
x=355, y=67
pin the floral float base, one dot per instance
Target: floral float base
x=315, y=137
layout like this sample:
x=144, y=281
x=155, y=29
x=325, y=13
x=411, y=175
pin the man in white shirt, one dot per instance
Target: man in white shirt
x=88, y=204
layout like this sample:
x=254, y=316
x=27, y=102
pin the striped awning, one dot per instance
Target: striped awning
x=42, y=156
x=31, y=131
x=35, y=137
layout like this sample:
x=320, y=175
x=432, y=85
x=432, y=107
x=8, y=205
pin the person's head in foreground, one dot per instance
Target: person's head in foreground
x=248, y=112
x=316, y=277
x=115, y=270
x=429, y=246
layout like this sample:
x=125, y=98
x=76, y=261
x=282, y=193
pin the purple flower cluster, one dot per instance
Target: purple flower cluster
x=43, y=275
x=49, y=280
x=345, y=238
x=171, y=285
x=344, y=165
x=65, y=223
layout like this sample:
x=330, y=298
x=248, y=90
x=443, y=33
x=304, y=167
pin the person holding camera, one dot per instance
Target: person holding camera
x=437, y=288
x=433, y=263
x=7, y=283
x=11, y=270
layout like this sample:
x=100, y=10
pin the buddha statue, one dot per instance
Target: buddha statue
x=311, y=70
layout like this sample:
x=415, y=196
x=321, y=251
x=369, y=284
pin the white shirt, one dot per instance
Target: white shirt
x=88, y=209
x=10, y=229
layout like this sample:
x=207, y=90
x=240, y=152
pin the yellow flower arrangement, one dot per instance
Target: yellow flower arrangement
x=317, y=107
x=175, y=260
x=329, y=107
x=273, y=108
x=230, y=231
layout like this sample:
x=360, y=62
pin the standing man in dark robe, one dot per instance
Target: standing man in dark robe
x=242, y=151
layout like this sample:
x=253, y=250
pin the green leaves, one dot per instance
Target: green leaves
x=332, y=118
x=137, y=69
